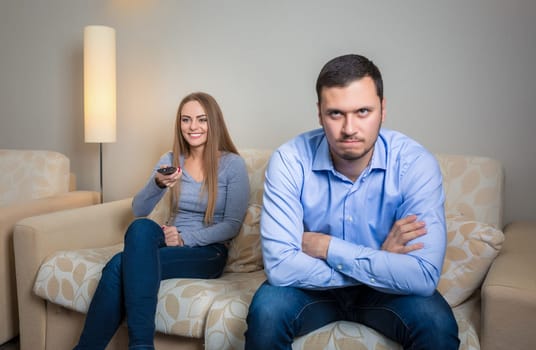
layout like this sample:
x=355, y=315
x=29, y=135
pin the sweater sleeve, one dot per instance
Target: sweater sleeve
x=146, y=199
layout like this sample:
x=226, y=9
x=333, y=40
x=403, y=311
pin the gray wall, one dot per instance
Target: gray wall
x=459, y=76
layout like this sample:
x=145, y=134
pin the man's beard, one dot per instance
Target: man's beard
x=356, y=156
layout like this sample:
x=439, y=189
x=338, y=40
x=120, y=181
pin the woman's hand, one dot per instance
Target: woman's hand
x=170, y=180
x=172, y=236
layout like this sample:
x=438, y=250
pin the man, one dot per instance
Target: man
x=353, y=225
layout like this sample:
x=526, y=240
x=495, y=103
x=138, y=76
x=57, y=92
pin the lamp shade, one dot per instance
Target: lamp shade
x=99, y=84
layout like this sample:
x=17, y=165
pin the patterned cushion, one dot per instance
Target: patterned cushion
x=245, y=249
x=471, y=248
x=344, y=335
x=226, y=322
x=183, y=303
x=69, y=278
x=28, y=174
x=473, y=187
x=256, y=162
x=226, y=326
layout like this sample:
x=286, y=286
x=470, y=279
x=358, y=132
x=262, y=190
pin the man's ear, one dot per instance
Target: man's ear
x=319, y=114
x=383, y=110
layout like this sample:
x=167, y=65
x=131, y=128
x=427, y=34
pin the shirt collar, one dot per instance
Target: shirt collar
x=322, y=158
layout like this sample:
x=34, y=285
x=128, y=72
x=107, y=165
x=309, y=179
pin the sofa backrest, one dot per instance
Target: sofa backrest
x=474, y=188
x=473, y=185
x=32, y=174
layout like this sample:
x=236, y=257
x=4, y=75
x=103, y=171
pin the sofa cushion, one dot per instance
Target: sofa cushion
x=471, y=248
x=473, y=187
x=69, y=279
x=245, y=249
x=226, y=326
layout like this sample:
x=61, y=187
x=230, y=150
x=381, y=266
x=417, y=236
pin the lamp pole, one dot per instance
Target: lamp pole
x=99, y=89
x=100, y=173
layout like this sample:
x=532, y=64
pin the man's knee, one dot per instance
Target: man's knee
x=266, y=306
x=438, y=322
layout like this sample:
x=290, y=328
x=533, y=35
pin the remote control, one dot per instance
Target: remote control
x=167, y=170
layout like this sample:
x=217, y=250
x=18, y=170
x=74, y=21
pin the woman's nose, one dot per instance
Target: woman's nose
x=194, y=124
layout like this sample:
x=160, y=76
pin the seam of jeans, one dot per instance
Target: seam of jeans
x=386, y=309
x=309, y=304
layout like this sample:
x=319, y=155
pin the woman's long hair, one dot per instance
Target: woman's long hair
x=218, y=140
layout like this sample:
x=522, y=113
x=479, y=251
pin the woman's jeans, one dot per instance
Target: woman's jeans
x=279, y=314
x=131, y=279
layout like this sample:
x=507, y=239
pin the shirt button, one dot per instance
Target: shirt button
x=372, y=280
x=339, y=267
x=349, y=218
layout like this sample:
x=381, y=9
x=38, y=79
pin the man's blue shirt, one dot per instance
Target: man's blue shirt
x=304, y=192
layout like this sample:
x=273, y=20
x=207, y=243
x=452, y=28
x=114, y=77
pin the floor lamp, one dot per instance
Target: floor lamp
x=99, y=88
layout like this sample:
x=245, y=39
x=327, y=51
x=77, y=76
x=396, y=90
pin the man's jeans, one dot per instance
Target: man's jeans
x=279, y=314
x=131, y=279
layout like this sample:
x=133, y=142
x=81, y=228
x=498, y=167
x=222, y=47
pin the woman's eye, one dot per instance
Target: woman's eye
x=203, y=120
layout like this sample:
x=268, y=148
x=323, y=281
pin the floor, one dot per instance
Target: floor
x=10, y=345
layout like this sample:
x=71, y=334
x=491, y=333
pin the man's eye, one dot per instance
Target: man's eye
x=363, y=111
x=334, y=114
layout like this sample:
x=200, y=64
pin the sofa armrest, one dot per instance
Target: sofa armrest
x=9, y=215
x=12, y=213
x=37, y=237
x=509, y=292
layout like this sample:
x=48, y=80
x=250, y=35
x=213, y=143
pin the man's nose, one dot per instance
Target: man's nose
x=349, y=126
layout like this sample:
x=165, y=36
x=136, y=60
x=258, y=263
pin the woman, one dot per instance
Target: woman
x=209, y=197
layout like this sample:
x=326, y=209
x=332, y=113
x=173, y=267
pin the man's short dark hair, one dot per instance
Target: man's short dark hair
x=344, y=70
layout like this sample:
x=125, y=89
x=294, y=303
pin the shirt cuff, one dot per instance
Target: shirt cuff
x=346, y=262
x=335, y=257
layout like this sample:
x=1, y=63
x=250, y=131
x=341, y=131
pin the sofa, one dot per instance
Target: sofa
x=32, y=182
x=59, y=258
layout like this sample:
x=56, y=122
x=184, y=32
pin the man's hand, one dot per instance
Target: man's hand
x=403, y=231
x=315, y=244
x=172, y=236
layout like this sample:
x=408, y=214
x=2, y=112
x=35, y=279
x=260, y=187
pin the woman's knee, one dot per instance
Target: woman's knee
x=143, y=230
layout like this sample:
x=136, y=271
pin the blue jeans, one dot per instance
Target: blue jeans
x=131, y=279
x=279, y=314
